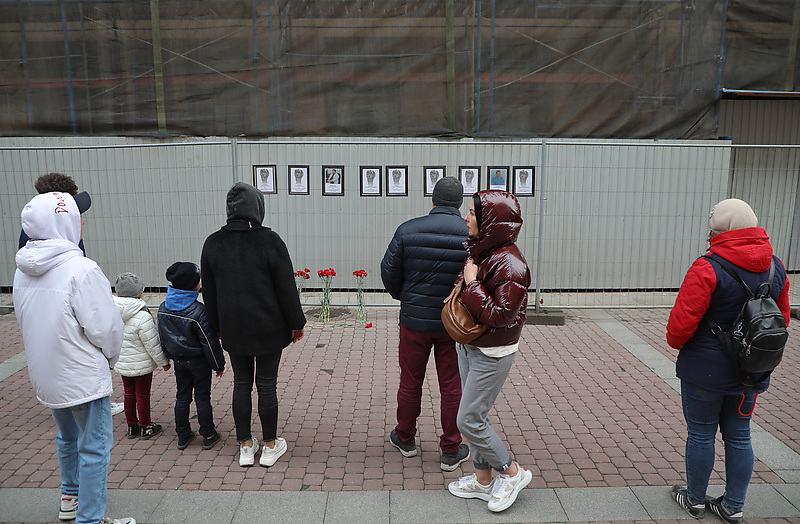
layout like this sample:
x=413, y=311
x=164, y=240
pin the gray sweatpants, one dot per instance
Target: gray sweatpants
x=482, y=378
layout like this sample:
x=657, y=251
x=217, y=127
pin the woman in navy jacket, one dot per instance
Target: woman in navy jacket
x=713, y=395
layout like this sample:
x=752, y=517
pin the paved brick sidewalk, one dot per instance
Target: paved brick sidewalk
x=579, y=410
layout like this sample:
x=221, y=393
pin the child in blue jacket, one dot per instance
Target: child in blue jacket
x=187, y=339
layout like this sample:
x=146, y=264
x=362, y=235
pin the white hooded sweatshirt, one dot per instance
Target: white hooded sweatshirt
x=71, y=328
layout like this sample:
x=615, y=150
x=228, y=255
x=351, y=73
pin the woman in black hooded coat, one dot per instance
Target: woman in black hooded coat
x=252, y=303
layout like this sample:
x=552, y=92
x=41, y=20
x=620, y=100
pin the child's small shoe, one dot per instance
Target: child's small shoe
x=208, y=442
x=151, y=431
x=133, y=430
x=183, y=442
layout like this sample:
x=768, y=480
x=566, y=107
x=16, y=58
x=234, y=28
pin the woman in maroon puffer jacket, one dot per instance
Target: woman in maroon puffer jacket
x=496, y=279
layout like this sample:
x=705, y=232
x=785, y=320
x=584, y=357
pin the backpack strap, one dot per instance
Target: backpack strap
x=762, y=290
x=732, y=272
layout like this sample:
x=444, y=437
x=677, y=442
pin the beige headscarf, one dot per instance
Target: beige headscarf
x=729, y=214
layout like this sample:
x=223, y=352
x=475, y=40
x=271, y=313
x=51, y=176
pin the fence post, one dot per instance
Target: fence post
x=234, y=160
x=539, y=242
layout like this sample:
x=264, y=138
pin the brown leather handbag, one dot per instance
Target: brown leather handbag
x=457, y=320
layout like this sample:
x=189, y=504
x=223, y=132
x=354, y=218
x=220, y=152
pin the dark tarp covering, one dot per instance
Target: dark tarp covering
x=566, y=68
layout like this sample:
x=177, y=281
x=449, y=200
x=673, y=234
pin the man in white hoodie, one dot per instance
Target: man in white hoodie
x=69, y=362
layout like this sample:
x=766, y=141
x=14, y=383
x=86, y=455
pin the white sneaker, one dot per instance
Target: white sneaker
x=126, y=520
x=507, y=488
x=270, y=456
x=469, y=488
x=247, y=454
x=117, y=408
x=69, y=507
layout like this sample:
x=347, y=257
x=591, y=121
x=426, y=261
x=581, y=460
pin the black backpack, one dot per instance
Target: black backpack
x=754, y=344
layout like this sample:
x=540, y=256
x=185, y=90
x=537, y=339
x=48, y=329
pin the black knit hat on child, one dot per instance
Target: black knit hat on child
x=129, y=285
x=183, y=275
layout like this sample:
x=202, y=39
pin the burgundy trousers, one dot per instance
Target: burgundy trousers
x=414, y=351
x=137, y=399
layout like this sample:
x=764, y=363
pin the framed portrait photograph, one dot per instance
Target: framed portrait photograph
x=298, y=180
x=470, y=177
x=264, y=179
x=524, y=177
x=333, y=180
x=396, y=180
x=370, y=180
x=432, y=175
x=498, y=177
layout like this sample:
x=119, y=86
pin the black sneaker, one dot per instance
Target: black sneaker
x=151, y=431
x=681, y=496
x=208, y=442
x=450, y=461
x=133, y=430
x=407, y=449
x=715, y=506
x=183, y=442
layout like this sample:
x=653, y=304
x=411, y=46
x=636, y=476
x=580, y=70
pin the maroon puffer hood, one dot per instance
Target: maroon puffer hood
x=500, y=223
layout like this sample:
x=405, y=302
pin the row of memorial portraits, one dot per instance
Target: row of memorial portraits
x=395, y=178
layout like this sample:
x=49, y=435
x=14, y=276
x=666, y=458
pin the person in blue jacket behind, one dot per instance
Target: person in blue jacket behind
x=419, y=269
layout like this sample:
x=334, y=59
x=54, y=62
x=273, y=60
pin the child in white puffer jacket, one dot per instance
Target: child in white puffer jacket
x=140, y=355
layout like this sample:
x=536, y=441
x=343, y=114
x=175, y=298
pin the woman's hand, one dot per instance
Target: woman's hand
x=470, y=271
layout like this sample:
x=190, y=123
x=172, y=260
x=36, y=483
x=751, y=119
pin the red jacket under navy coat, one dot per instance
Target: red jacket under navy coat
x=707, y=288
x=499, y=295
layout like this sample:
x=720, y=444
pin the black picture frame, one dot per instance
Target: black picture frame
x=396, y=181
x=333, y=180
x=370, y=181
x=298, y=180
x=491, y=173
x=470, y=178
x=524, y=186
x=264, y=178
x=431, y=175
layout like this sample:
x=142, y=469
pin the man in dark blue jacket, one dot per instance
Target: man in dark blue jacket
x=419, y=269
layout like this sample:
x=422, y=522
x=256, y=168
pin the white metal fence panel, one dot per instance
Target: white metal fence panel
x=624, y=218
x=620, y=221
x=767, y=179
x=151, y=204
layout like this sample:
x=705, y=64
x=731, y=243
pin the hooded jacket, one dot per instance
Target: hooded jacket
x=421, y=263
x=248, y=280
x=499, y=295
x=141, y=349
x=71, y=328
x=709, y=290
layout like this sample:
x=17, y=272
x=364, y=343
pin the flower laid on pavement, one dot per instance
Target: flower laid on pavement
x=300, y=277
x=327, y=277
x=362, y=311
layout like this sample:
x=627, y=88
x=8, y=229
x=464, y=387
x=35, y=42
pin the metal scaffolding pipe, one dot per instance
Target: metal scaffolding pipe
x=69, y=71
x=158, y=64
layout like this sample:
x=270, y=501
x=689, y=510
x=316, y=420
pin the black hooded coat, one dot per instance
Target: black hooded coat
x=248, y=280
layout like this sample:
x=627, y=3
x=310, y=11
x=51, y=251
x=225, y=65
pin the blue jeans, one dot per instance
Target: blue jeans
x=704, y=411
x=193, y=375
x=84, y=443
